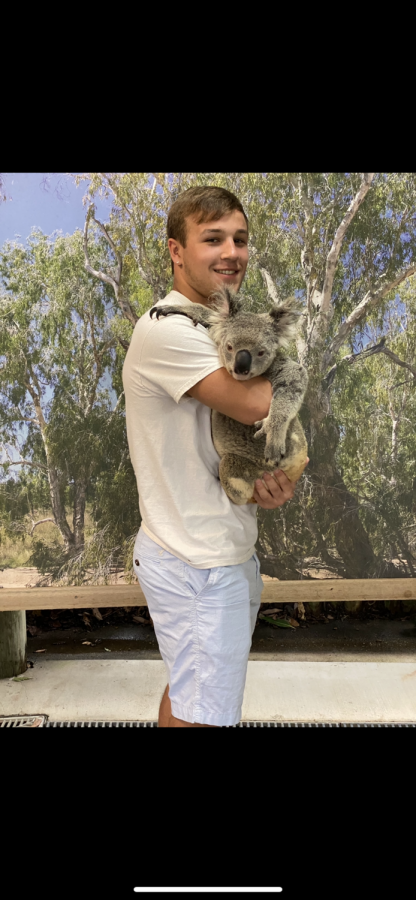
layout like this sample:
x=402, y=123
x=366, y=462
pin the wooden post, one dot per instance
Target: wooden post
x=12, y=643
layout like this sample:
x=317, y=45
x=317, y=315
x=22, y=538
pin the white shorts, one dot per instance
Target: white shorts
x=204, y=620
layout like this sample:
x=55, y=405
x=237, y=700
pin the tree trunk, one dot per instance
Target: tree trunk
x=80, y=493
x=12, y=643
x=58, y=508
x=335, y=508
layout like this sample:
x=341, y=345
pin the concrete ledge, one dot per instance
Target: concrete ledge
x=110, y=690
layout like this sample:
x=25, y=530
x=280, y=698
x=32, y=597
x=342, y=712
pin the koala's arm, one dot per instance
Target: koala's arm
x=289, y=381
x=199, y=314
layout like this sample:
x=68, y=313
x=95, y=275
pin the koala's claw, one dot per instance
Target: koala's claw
x=261, y=427
x=274, y=450
x=157, y=311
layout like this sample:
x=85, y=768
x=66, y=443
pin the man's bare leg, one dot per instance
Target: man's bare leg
x=165, y=710
x=167, y=720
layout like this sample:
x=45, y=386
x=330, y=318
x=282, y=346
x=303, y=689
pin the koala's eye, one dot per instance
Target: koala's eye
x=261, y=353
x=229, y=347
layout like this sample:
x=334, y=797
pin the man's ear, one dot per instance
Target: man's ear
x=225, y=302
x=175, y=251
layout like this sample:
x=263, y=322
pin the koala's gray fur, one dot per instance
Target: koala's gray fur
x=255, y=341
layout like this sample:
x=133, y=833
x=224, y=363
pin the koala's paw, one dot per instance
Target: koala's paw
x=158, y=311
x=262, y=428
x=275, y=449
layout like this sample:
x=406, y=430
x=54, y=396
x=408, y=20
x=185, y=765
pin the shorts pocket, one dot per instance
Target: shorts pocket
x=195, y=580
x=145, y=548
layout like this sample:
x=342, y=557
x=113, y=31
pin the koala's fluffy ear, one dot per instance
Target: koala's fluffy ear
x=285, y=320
x=225, y=302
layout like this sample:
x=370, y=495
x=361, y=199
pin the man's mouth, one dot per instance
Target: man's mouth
x=226, y=271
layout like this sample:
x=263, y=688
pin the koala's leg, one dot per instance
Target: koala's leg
x=289, y=382
x=237, y=477
x=294, y=460
x=199, y=314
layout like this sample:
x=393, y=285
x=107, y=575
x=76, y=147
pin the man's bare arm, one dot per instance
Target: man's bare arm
x=245, y=401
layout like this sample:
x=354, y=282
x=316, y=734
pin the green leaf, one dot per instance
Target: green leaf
x=281, y=623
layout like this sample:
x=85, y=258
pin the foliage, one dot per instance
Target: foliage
x=345, y=244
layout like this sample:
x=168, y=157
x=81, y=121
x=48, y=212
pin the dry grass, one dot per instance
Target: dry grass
x=16, y=551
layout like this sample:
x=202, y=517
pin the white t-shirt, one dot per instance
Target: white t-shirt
x=183, y=506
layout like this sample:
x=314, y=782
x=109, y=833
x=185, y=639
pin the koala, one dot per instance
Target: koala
x=249, y=344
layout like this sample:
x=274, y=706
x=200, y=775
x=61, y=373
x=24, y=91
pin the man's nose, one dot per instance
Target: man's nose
x=229, y=250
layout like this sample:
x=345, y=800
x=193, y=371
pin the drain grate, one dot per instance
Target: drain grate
x=22, y=721
x=240, y=725
x=101, y=725
x=42, y=722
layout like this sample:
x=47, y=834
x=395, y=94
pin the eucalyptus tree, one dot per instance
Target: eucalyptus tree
x=57, y=353
x=345, y=244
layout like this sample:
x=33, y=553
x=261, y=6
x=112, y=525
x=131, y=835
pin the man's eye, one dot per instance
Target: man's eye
x=229, y=348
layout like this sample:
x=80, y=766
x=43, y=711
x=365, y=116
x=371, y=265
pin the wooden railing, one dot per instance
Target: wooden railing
x=100, y=596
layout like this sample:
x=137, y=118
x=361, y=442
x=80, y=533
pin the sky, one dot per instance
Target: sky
x=49, y=201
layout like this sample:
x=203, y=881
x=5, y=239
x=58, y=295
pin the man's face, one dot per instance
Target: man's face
x=216, y=254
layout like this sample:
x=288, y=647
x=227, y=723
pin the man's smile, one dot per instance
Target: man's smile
x=227, y=273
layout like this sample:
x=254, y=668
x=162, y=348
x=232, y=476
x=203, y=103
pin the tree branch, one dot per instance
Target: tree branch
x=156, y=176
x=399, y=362
x=113, y=412
x=371, y=299
x=96, y=272
x=27, y=462
x=98, y=364
x=370, y=351
x=335, y=250
x=35, y=524
x=140, y=253
x=115, y=283
x=270, y=287
x=26, y=418
x=300, y=228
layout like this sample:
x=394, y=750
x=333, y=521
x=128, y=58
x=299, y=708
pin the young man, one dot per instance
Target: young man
x=195, y=551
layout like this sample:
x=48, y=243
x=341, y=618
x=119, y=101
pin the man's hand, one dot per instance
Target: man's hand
x=277, y=491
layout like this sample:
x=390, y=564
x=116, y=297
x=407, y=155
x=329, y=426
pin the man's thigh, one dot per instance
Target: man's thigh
x=204, y=619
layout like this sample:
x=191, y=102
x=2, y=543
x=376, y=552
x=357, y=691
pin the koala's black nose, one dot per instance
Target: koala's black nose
x=242, y=362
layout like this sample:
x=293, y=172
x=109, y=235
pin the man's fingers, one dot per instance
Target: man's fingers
x=274, y=489
x=269, y=493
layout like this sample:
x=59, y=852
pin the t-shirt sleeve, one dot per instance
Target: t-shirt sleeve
x=176, y=354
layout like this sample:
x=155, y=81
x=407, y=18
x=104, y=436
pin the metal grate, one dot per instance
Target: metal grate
x=325, y=725
x=42, y=722
x=240, y=725
x=22, y=721
x=101, y=725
